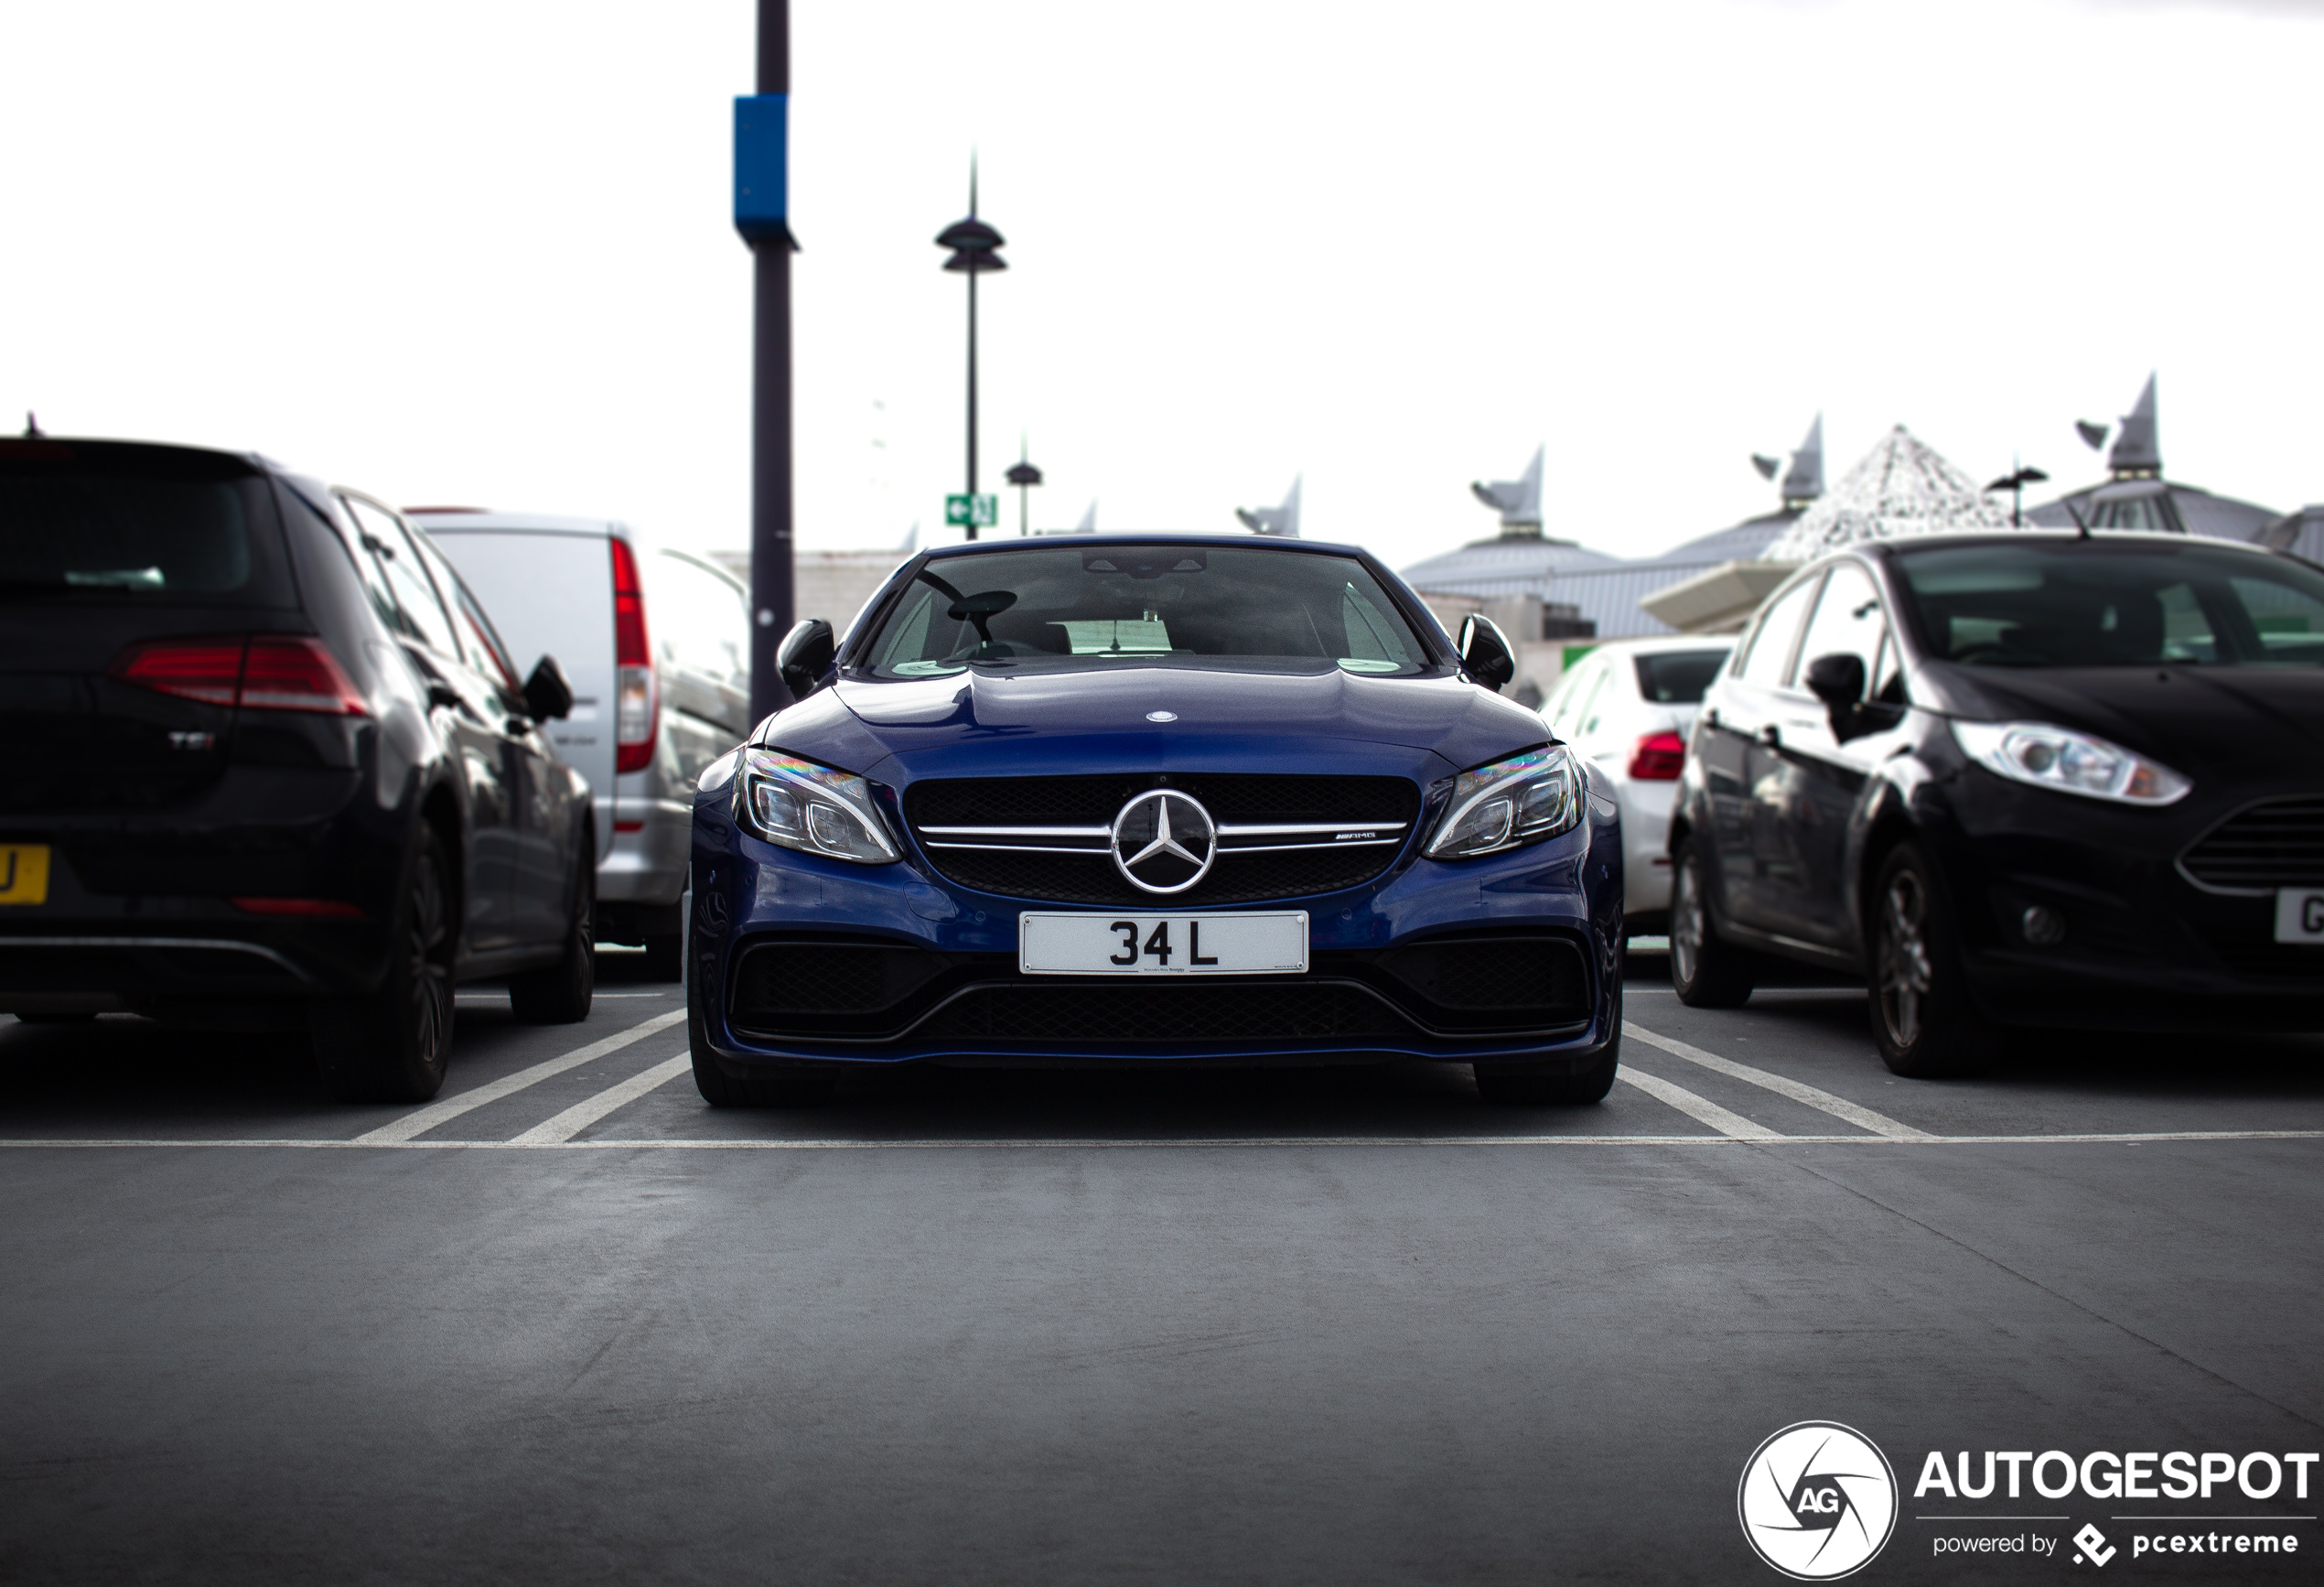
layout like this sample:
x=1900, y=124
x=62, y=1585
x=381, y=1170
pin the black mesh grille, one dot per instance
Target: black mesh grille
x=813, y=986
x=2268, y=846
x=1091, y=878
x=1137, y=1012
x=1541, y=977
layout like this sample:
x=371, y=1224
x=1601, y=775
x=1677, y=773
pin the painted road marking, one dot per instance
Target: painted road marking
x=1200, y=1144
x=1702, y=1108
x=1797, y=1090
x=399, y=1131
x=556, y=1132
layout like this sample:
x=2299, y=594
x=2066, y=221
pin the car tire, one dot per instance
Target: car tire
x=665, y=958
x=794, y=1088
x=1922, y=1017
x=392, y=1045
x=1705, y=972
x=1553, y=1086
x=560, y=994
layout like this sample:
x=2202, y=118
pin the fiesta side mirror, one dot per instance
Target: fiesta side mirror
x=1838, y=680
x=805, y=652
x=1485, y=652
x=548, y=693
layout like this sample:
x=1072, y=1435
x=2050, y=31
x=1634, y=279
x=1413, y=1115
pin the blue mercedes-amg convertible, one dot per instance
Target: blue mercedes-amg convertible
x=1151, y=798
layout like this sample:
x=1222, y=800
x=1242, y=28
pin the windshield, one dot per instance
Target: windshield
x=91, y=524
x=2083, y=603
x=1101, y=606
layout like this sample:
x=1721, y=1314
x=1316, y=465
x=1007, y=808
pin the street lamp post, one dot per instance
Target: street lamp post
x=973, y=246
x=1024, y=476
x=762, y=216
x=2015, y=484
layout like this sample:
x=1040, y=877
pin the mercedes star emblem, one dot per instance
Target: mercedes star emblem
x=1164, y=841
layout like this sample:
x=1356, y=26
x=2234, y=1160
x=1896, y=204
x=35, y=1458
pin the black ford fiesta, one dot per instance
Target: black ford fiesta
x=264, y=762
x=2020, y=779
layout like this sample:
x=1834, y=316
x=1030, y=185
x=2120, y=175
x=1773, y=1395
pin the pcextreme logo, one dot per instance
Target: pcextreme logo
x=1817, y=1501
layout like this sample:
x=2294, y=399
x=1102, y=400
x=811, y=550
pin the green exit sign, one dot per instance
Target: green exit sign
x=972, y=512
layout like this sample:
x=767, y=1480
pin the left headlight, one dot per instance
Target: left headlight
x=811, y=808
x=1507, y=805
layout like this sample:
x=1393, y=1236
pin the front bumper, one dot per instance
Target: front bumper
x=1356, y=1001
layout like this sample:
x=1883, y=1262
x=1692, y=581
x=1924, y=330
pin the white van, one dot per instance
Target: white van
x=657, y=646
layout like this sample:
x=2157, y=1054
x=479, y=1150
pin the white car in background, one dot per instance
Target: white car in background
x=1629, y=704
x=659, y=649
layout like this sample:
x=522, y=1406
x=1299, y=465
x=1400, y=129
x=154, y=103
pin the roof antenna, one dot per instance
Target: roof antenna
x=2068, y=503
x=31, y=426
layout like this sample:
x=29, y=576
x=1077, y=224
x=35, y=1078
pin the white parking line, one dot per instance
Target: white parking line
x=556, y=1132
x=398, y=1131
x=972, y=1143
x=1797, y=1090
x=1734, y=1126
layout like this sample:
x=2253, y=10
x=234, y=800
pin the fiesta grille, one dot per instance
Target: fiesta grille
x=2279, y=843
x=1046, y=837
x=1137, y=1012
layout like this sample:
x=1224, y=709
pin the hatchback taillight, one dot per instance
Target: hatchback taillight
x=265, y=672
x=1659, y=757
x=635, y=714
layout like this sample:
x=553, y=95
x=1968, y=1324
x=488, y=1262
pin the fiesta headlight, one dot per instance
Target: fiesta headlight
x=811, y=808
x=1507, y=805
x=2069, y=761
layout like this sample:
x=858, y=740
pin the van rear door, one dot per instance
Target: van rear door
x=550, y=592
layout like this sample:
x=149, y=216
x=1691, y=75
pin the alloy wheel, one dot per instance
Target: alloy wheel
x=1686, y=924
x=1904, y=957
x=431, y=980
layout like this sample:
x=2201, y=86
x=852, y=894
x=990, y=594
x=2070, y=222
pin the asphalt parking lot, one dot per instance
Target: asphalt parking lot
x=1332, y=1326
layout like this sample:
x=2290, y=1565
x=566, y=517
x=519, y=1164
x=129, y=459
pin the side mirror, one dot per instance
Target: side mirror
x=548, y=693
x=804, y=654
x=1485, y=652
x=1838, y=680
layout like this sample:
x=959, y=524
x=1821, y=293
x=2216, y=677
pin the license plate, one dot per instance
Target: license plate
x=2299, y=915
x=24, y=873
x=1162, y=945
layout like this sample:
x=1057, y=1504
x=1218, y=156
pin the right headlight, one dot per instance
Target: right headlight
x=1509, y=805
x=811, y=808
x=2068, y=761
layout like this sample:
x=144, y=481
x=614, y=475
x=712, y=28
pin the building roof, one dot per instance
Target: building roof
x=1610, y=596
x=1903, y=486
x=1509, y=565
x=2138, y=497
x=2217, y=517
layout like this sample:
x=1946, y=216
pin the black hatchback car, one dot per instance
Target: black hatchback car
x=267, y=764
x=2016, y=778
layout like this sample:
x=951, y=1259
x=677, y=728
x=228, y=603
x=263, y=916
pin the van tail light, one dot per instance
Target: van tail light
x=266, y=672
x=1659, y=757
x=636, y=709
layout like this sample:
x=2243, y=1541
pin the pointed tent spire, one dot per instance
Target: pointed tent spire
x=2138, y=454
x=1518, y=500
x=1805, y=483
x=1282, y=521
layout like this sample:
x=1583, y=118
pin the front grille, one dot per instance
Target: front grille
x=2279, y=843
x=1137, y=1012
x=1080, y=869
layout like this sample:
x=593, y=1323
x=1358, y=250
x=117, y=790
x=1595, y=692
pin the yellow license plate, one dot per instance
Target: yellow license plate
x=24, y=873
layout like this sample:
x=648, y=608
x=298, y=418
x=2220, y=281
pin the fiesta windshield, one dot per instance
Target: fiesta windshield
x=1107, y=606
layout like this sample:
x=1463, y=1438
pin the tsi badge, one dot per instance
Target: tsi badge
x=1818, y=1501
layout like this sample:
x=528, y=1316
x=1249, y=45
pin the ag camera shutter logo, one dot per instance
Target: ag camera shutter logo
x=1818, y=1501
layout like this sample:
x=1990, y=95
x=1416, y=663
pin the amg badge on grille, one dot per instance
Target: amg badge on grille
x=1164, y=841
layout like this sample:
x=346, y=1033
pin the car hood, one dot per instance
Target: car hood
x=2257, y=721
x=1034, y=722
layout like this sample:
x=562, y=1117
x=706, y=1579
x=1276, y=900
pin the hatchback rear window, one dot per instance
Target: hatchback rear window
x=1678, y=678
x=109, y=524
x=2077, y=603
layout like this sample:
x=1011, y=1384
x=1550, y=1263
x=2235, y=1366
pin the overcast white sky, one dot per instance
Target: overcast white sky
x=482, y=251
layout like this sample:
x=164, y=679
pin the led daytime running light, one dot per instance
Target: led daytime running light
x=814, y=809
x=1507, y=805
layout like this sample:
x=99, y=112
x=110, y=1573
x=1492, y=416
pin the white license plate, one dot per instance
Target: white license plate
x=1162, y=945
x=2299, y=914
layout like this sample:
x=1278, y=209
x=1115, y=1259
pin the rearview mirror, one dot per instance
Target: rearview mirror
x=548, y=693
x=1485, y=652
x=805, y=652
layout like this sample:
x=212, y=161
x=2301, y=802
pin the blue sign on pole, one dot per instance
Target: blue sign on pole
x=761, y=179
